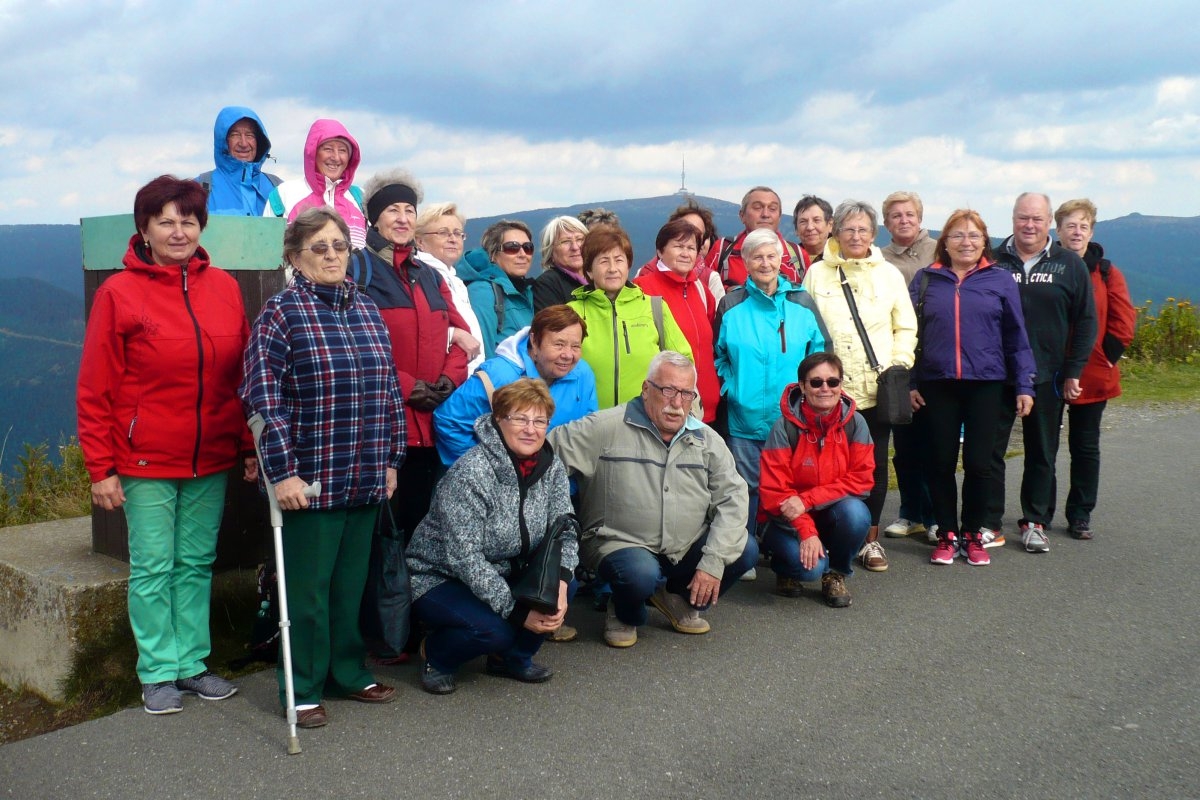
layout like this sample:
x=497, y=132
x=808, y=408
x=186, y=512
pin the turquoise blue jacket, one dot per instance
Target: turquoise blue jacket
x=481, y=275
x=574, y=396
x=760, y=340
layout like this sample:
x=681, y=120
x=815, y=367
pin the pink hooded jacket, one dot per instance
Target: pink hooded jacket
x=326, y=192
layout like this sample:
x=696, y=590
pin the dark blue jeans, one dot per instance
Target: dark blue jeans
x=461, y=627
x=635, y=573
x=842, y=529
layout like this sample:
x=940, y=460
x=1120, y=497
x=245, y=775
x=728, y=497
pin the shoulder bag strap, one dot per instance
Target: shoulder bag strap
x=488, y=387
x=862, y=332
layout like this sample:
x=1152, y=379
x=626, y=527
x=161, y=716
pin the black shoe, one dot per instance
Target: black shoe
x=534, y=673
x=435, y=681
x=1080, y=529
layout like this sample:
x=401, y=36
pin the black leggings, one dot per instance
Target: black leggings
x=972, y=408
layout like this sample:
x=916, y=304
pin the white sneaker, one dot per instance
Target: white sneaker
x=991, y=538
x=931, y=534
x=617, y=633
x=903, y=527
x=749, y=575
x=1033, y=536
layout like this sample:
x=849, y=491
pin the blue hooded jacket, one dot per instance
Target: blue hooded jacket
x=481, y=274
x=238, y=188
x=574, y=396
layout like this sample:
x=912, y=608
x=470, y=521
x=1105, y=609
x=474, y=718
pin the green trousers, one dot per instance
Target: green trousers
x=325, y=557
x=173, y=528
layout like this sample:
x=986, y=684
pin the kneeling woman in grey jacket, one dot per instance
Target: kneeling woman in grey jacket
x=494, y=505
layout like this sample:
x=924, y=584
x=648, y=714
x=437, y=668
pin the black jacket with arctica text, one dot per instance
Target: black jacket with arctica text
x=1060, y=314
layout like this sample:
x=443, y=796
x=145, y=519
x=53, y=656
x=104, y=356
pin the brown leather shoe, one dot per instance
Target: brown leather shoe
x=377, y=693
x=312, y=718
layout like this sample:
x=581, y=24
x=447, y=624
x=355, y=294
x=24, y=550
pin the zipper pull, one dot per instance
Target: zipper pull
x=184, y=268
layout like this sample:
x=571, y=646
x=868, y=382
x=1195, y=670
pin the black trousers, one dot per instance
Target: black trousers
x=415, y=482
x=1083, y=439
x=971, y=407
x=1040, y=433
x=880, y=429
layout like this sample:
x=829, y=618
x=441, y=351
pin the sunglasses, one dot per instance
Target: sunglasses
x=321, y=248
x=515, y=247
x=817, y=383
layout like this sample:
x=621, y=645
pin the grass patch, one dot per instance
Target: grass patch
x=1144, y=382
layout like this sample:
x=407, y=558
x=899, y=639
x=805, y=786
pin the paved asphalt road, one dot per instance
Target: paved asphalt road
x=1067, y=675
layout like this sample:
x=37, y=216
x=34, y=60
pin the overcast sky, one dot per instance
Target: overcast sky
x=505, y=106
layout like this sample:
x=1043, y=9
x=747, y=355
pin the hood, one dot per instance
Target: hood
x=322, y=131
x=473, y=264
x=137, y=259
x=675, y=277
x=515, y=348
x=1093, y=256
x=226, y=119
x=833, y=257
x=793, y=397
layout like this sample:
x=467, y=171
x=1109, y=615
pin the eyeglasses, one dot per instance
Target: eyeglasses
x=817, y=383
x=515, y=247
x=446, y=233
x=670, y=392
x=970, y=237
x=860, y=232
x=321, y=248
x=538, y=423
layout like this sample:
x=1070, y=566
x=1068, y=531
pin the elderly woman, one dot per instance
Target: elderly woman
x=763, y=331
x=676, y=278
x=493, y=508
x=812, y=219
x=817, y=467
x=440, y=239
x=628, y=328
x=160, y=426
x=331, y=157
x=881, y=295
x=562, y=262
x=318, y=368
x=972, y=342
x=497, y=281
x=1116, y=319
x=548, y=350
x=238, y=186
x=421, y=318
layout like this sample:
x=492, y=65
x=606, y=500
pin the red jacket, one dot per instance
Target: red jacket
x=1116, y=319
x=820, y=464
x=162, y=358
x=693, y=307
x=734, y=274
x=417, y=309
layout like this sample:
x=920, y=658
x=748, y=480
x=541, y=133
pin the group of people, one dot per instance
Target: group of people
x=447, y=392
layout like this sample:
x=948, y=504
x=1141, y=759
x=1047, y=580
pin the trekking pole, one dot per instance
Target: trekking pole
x=257, y=423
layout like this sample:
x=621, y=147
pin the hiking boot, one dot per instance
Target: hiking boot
x=162, y=698
x=207, y=685
x=788, y=587
x=563, y=633
x=1081, y=529
x=617, y=633
x=833, y=588
x=679, y=612
x=973, y=549
x=931, y=535
x=1033, y=536
x=873, y=558
x=946, y=550
x=903, y=527
x=991, y=538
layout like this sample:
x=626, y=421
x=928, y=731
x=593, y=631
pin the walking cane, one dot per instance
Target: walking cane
x=257, y=423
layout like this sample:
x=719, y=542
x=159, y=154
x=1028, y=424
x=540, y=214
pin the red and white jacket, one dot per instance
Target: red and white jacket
x=821, y=460
x=162, y=358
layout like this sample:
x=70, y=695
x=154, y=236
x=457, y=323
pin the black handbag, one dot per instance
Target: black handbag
x=387, y=599
x=535, y=583
x=892, y=397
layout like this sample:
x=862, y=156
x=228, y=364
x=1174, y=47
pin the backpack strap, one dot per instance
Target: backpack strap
x=488, y=387
x=921, y=315
x=361, y=268
x=656, y=310
x=727, y=250
x=357, y=194
x=498, y=306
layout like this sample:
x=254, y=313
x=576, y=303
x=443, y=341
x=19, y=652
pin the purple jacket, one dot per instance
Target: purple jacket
x=971, y=330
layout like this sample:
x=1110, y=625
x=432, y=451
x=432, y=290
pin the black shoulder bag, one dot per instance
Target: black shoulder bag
x=892, y=397
x=535, y=584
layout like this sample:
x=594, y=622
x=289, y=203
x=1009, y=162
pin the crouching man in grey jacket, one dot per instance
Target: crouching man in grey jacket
x=662, y=506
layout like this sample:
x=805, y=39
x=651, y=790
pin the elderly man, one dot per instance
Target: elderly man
x=661, y=504
x=911, y=249
x=1060, y=318
x=760, y=208
x=238, y=186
